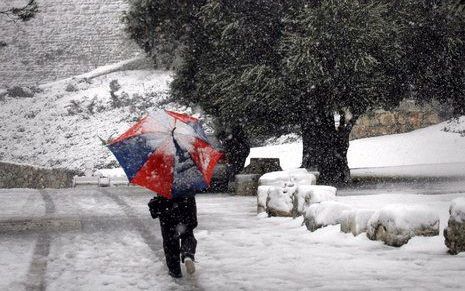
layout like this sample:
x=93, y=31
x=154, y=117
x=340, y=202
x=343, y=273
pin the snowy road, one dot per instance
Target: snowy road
x=104, y=239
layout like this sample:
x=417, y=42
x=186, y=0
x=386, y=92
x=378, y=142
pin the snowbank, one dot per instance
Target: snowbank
x=395, y=224
x=324, y=214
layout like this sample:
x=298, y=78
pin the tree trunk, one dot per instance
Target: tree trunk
x=325, y=147
x=236, y=149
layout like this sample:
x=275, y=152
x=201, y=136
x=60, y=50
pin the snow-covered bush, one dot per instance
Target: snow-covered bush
x=396, y=224
x=279, y=200
x=454, y=234
x=309, y=194
x=323, y=214
x=21, y=92
x=355, y=221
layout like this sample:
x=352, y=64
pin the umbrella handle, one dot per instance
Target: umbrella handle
x=172, y=131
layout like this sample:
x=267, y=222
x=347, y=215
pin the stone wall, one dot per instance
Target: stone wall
x=66, y=38
x=405, y=118
x=24, y=176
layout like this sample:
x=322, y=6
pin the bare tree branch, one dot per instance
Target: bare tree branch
x=24, y=13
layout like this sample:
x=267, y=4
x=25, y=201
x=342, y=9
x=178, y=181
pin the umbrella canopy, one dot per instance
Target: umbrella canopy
x=168, y=153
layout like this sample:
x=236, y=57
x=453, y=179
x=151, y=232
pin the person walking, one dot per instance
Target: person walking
x=178, y=219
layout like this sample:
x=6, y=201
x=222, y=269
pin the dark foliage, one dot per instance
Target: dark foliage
x=24, y=13
x=265, y=68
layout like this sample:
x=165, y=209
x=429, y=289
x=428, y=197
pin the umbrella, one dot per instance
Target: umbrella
x=167, y=152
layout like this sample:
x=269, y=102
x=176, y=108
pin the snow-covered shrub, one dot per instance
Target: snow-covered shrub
x=295, y=176
x=396, y=224
x=324, y=214
x=279, y=200
x=20, y=92
x=74, y=107
x=454, y=234
x=355, y=221
x=309, y=194
x=70, y=87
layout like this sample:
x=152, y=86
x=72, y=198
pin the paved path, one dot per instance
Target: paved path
x=66, y=212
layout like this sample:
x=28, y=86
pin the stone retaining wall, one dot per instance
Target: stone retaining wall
x=65, y=38
x=407, y=117
x=24, y=176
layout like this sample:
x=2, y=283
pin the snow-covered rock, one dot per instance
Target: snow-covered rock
x=454, y=234
x=457, y=209
x=279, y=200
x=262, y=195
x=324, y=214
x=246, y=184
x=282, y=180
x=396, y=224
x=298, y=176
x=310, y=194
x=355, y=221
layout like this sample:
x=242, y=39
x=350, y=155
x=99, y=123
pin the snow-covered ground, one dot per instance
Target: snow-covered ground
x=431, y=145
x=237, y=250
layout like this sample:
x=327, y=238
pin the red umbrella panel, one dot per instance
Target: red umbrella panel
x=168, y=153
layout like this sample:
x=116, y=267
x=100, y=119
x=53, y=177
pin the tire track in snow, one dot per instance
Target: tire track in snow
x=38, y=268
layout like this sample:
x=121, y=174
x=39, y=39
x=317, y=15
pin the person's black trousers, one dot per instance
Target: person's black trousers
x=177, y=222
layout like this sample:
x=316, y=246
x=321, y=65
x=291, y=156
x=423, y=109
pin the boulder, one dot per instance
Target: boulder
x=310, y=194
x=279, y=200
x=262, y=196
x=396, y=224
x=356, y=221
x=246, y=184
x=454, y=234
x=262, y=166
x=323, y=214
x=295, y=176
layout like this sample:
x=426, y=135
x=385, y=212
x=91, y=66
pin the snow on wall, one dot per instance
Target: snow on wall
x=66, y=37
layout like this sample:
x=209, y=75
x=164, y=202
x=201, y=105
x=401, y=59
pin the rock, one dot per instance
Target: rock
x=396, y=224
x=454, y=234
x=262, y=196
x=20, y=92
x=323, y=214
x=246, y=184
x=279, y=200
x=262, y=166
x=295, y=176
x=356, y=221
x=310, y=194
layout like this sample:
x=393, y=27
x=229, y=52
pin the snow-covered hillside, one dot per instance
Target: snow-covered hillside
x=60, y=126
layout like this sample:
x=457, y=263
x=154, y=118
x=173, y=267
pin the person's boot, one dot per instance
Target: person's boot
x=190, y=266
x=175, y=274
x=175, y=271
